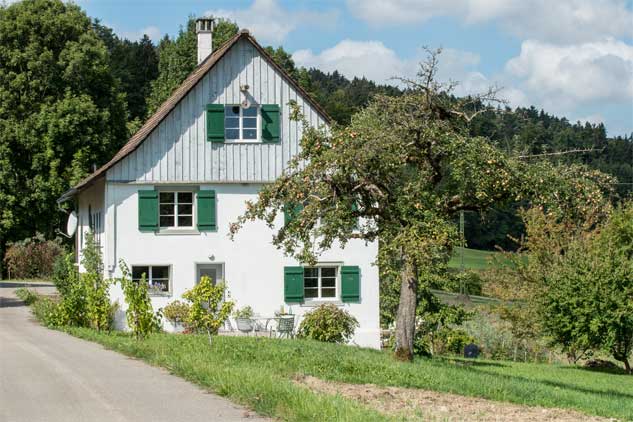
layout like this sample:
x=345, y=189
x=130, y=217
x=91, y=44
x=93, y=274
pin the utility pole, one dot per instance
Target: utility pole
x=462, y=289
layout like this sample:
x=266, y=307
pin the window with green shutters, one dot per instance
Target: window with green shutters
x=350, y=284
x=147, y=210
x=206, y=211
x=271, y=127
x=293, y=284
x=215, y=122
x=233, y=123
x=322, y=283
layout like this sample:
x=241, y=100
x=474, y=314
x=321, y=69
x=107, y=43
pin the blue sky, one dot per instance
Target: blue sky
x=574, y=58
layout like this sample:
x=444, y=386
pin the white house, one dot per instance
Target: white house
x=164, y=202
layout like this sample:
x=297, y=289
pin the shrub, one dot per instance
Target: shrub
x=140, y=315
x=74, y=302
x=328, y=323
x=64, y=273
x=32, y=257
x=245, y=312
x=28, y=296
x=48, y=312
x=176, y=312
x=209, y=310
x=85, y=299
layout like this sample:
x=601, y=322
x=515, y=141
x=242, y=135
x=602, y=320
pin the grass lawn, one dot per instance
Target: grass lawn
x=475, y=259
x=258, y=372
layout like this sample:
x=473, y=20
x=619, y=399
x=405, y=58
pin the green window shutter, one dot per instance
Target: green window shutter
x=147, y=210
x=270, y=123
x=206, y=211
x=293, y=284
x=215, y=122
x=350, y=284
x=291, y=211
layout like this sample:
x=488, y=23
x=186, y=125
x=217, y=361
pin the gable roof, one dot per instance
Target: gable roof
x=188, y=84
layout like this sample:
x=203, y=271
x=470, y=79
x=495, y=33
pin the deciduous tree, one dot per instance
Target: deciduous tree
x=405, y=166
x=60, y=111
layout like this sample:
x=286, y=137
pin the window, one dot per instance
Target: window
x=319, y=282
x=176, y=209
x=241, y=124
x=156, y=276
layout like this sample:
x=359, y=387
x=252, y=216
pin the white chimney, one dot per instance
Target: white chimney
x=204, y=29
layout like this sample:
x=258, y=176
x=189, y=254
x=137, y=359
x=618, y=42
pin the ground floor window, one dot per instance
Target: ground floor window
x=157, y=277
x=320, y=282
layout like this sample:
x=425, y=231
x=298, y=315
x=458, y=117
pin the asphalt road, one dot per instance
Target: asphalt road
x=46, y=375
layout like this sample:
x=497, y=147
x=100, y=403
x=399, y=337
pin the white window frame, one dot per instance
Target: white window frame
x=175, y=204
x=150, y=278
x=337, y=283
x=258, y=138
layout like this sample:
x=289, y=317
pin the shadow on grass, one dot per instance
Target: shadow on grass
x=473, y=362
x=558, y=384
x=616, y=370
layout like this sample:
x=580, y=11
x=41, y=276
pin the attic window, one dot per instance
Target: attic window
x=241, y=124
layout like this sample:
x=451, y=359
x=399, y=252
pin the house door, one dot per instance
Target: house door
x=214, y=271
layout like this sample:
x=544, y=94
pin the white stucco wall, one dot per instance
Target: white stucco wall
x=90, y=202
x=253, y=267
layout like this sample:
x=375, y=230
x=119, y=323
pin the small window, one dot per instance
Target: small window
x=320, y=282
x=176, y=209
x=241, y=124
x=157, y=277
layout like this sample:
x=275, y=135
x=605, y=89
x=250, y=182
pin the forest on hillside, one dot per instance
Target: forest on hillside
x=86, y=84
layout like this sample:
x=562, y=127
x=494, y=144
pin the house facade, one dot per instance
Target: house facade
x=165, y=201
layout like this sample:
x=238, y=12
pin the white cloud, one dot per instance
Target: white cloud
x=153, y=32
x=560, y=21
x=370, y=59
x=270, y=22
x=594, y=118
x=375, y=61
x=561, y=77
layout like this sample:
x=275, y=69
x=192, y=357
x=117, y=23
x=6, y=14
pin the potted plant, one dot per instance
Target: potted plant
x=244, y=319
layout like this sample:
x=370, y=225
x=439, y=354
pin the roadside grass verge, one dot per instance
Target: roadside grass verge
x=259, y=373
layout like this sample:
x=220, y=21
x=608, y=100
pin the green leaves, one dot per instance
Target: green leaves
x=140, y=315
x=587, y=302
x=60, y=111
x=209, y=310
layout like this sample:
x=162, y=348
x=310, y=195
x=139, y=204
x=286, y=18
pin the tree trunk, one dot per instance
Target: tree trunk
x=405, y=321
x=210, y=337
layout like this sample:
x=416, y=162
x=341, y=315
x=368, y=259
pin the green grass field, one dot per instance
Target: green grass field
x=475, y=259
x=258, y=372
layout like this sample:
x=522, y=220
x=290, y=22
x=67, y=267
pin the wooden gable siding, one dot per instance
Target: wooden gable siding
x=178, y=151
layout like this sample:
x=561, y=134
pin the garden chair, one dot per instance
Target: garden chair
x=245, y=325
x=286, y=326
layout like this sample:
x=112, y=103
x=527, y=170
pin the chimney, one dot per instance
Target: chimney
x=204, y=30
